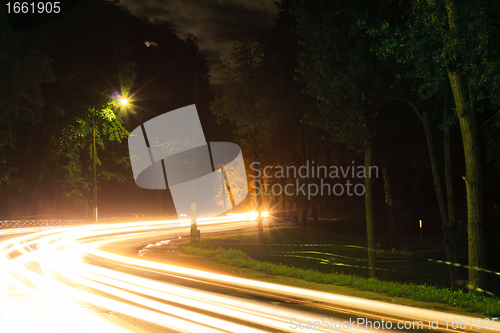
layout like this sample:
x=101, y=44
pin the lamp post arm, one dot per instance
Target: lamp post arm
x=148, y=44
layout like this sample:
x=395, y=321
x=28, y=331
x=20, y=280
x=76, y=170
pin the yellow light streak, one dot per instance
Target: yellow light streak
x=271, y=316
x=48, y=245
x=50, y=286
x=398, y=311
x=202, y=319
x=61, y=250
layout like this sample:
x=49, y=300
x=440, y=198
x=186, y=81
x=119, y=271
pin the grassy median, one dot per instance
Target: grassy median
x=212, y=248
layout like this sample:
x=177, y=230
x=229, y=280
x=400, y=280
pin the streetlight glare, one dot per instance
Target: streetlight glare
x=124, y=101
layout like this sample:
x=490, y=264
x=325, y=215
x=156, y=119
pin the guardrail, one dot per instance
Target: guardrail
x=8, y=224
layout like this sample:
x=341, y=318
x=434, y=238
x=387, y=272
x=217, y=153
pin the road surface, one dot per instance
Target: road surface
x=77, y=279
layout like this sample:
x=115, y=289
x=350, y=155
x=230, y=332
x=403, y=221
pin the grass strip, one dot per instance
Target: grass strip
x=489, y=306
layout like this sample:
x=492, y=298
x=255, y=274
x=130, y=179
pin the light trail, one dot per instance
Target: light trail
x=396, y=312
x=58, y=254
x=48, y=242
x=267, y=315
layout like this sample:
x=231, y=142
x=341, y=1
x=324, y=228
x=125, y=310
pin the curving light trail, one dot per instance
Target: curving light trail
x=49, y=264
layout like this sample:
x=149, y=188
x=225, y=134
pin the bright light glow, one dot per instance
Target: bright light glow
x=395, y=311
x=264, y=214
x=60, y=250
x=124, y=101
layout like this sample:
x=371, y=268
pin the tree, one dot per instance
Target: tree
x=342, y=74
x=23, y=74
x=53, y=74
x=280, y=60
x=452, y=40
x=78, y=150
x=463, y=81
x=244, y=101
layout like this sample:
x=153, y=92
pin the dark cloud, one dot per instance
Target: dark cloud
x=216, y=23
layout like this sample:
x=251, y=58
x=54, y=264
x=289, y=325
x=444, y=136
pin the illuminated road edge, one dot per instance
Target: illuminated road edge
x=60, y=251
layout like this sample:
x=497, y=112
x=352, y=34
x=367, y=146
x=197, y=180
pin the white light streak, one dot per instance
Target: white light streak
x=60, y=251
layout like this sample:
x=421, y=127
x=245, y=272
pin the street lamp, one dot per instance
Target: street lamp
x=195, y=233
x=95, y=172
x=94, y=157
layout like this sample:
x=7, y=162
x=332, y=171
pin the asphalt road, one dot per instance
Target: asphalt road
x=93, y=279
x=27, y=306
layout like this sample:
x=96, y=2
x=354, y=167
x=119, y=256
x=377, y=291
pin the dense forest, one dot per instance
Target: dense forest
x=407, y=86
x=58, y=80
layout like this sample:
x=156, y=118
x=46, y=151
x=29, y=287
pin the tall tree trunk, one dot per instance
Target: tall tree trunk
x=473, y=184
x=6, y=199
x=370, y=225
x=451, y=255
x=276, y=201
x=449, y=239
x=283, y=198
x=29, y=173
x=393, y=229
x=260, y=227
x=314, y=202
x=314, y=209
x=305, y=208
x=35, y=186
x=447, y=162
x=473, y=177
x=56, y=184
x=451, y=227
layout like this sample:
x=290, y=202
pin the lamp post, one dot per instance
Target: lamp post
x=195, y=233
x=94, y=213
x=123, y=101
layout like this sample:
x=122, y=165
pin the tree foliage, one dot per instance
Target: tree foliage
x=77, y=148
x=52, y=75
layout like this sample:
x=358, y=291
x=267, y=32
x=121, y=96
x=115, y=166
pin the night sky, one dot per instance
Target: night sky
x=216, y=23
